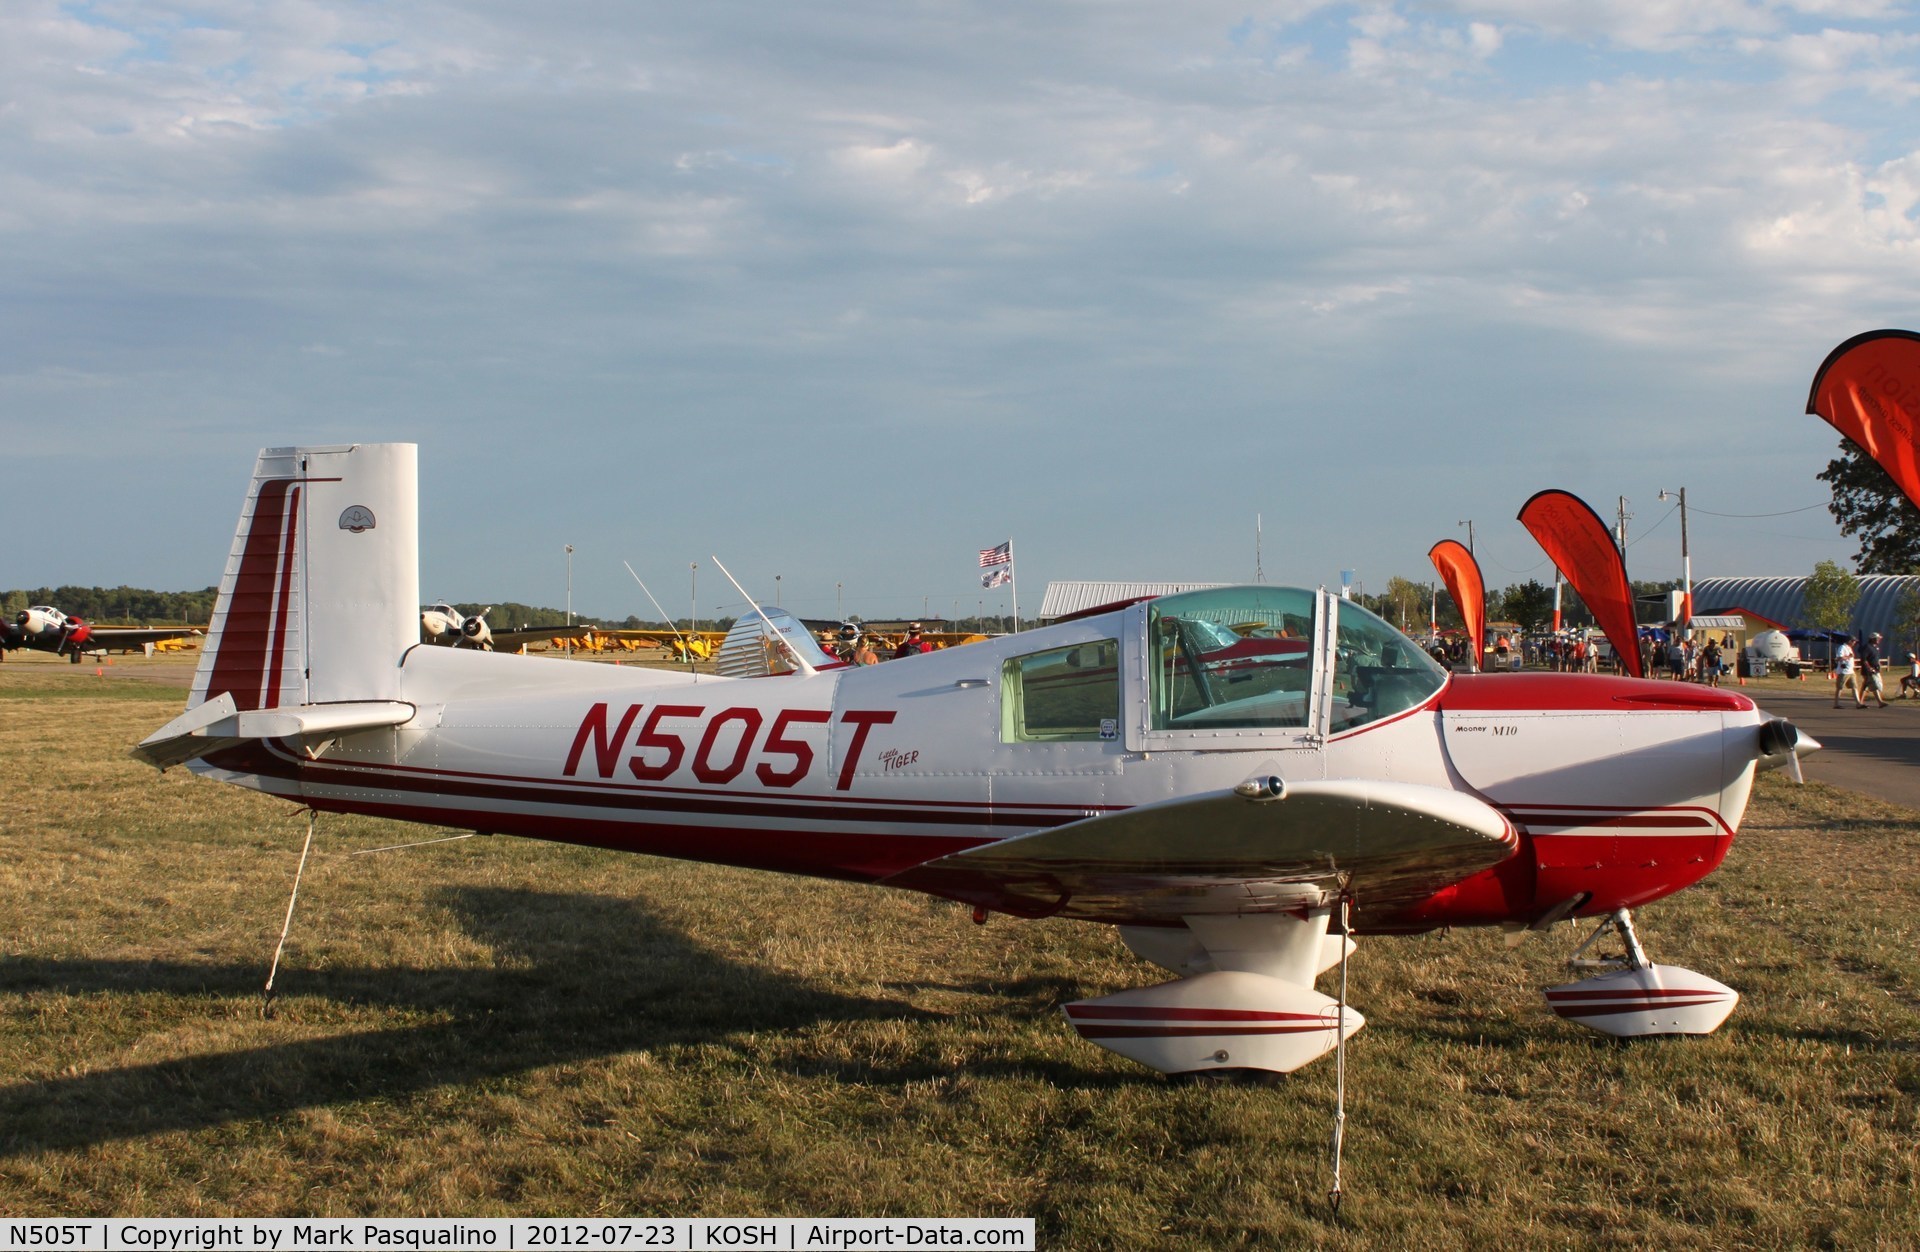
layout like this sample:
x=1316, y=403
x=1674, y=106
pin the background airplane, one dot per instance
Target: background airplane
x=43, y=628
x=445, y=626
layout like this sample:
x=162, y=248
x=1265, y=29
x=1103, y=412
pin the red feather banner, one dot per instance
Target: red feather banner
x=1580, y=545
x=1461, y=573
x=1868, y=389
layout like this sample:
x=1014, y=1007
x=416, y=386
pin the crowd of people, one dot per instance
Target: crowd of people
x=1858, y=666
x=1707, y=660
x=1859, y=672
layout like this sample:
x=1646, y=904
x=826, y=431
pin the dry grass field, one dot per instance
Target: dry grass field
x=497, y=1026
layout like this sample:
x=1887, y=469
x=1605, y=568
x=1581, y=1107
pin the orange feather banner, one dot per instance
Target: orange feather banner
x=1461, y=573
x=1581, y=546
x=1868, y=389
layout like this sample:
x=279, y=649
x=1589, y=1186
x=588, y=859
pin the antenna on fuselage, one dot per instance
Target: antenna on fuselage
x=799, y=661
x=686, y=648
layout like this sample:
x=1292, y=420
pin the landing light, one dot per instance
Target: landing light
x=1261, y=790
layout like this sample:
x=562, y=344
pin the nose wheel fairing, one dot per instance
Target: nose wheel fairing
x=1640, y=998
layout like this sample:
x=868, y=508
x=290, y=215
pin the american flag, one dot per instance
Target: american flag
x=1002, y=555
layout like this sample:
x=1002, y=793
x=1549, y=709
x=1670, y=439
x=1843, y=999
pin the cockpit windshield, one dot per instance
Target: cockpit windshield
x=1377, y=671
x=1242, y=658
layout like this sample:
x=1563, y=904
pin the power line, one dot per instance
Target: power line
x=1784, y=513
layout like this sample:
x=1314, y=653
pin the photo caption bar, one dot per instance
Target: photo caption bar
x=510, y=1234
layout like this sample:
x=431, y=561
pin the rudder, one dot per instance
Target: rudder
x=321, y=594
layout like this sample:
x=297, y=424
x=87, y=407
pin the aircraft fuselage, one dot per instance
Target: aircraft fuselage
x=1620, y=791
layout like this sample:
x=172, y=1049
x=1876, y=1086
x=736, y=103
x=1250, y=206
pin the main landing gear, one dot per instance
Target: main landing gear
x=1246, y=1002
x=1639, y=997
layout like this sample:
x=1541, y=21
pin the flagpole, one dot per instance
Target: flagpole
x=1013, y=580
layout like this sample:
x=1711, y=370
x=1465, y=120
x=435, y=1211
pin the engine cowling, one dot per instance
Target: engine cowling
x=475, y=633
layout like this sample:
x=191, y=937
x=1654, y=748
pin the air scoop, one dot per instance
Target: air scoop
x=1783, y=743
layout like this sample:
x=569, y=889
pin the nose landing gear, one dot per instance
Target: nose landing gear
x=1639, y=997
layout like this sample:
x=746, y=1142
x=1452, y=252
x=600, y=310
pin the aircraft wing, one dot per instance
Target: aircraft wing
x=508, y=640
x=1232, y=852
x=114, y=637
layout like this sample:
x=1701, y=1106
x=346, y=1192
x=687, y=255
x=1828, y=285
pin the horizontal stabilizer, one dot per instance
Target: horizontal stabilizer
x=1264, y=846
x=220, y=724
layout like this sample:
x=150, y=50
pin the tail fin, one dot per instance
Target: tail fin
x=321, y=594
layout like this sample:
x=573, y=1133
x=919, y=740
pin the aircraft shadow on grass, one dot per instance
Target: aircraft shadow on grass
x=639, y=985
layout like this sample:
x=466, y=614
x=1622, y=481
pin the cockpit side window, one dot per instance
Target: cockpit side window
x=1061, y=694
x=1231, y=658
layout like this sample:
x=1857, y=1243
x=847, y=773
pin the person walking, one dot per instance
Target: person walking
x=1871, y=682
x=1844, y=677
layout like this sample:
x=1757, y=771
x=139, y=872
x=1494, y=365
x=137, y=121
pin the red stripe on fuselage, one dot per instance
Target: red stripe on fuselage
x=1585, y=821
x=1570, y=693
x=274, y=762
x=1614, y=817
x=854, y=856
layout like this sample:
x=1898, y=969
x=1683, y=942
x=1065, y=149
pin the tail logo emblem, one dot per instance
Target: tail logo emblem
x=357, y=518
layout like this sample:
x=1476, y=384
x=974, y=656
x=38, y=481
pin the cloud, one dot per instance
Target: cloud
x=651, y=247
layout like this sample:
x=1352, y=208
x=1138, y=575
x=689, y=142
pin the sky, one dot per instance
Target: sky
x=842, y=294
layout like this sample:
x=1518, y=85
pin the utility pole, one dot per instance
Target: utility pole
x=1621, y=533
x=569, y=599
x=839, y=610
x=776, y=591
x=1686, y=564
x=1469, y=525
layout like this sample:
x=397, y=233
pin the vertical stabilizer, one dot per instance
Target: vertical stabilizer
x=321, y=594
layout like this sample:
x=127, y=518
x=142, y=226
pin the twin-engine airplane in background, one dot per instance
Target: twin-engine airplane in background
x=1238, y=779
x=446, y=626
x=43, y=628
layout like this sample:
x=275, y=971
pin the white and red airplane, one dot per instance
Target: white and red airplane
x=43, y=628
x=1238, y=779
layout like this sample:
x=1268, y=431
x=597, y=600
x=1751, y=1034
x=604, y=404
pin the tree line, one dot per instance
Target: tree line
x=139, y=606
x=130, y=605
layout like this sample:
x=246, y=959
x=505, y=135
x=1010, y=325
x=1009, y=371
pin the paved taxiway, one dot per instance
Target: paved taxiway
x=1874, y=751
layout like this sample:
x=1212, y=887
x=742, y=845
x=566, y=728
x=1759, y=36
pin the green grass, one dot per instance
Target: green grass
x=499, y=1026
x=28, y=680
